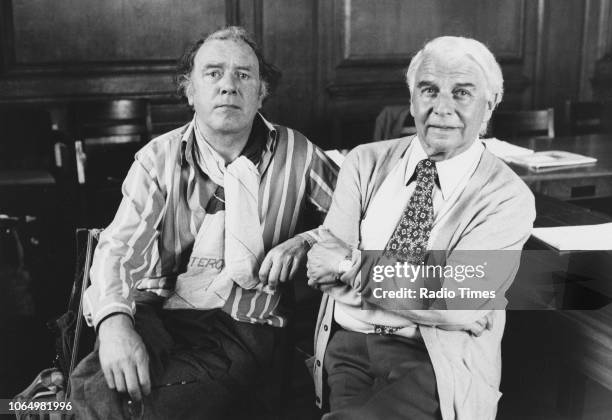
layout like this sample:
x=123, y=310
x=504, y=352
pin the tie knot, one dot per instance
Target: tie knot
x=426, y=168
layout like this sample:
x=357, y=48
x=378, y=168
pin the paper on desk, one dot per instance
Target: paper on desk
x=335, y=155
x=569, y=238
x=504, y=150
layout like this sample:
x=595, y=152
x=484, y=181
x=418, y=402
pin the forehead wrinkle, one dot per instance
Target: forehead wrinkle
x=213, y=53
x=461, y=69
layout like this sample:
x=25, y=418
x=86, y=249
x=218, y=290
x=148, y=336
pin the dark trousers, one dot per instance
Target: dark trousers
x=222, y=362
x=379, y=377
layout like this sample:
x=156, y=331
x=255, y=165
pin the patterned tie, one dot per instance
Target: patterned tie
x=409, y=241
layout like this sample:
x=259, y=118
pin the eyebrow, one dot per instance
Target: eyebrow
x=221, y=65
x=423, y=83
x=466, y=85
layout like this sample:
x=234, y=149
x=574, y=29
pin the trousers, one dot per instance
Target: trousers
x=203, y=365
x=374, y=376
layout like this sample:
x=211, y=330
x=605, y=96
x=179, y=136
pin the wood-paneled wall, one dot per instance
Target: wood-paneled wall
x=342, y=60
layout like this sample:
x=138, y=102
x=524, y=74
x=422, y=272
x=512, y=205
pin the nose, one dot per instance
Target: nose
x=227, y=84
x=443, y=104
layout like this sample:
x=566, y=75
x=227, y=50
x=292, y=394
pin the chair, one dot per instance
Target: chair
x=105, y=135
x=108, y=132
x=168, y=116
x=583, y=117
x=532, y=123
x=75, y=341
x=392, y=122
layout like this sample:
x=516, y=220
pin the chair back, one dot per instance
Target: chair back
x=75, y=341
x=166, y=117
x=392, y=122
x=532, y=123
x=584, y=117
x=106, y=137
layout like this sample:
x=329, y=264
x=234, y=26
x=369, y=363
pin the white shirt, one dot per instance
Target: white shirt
x=388, y=205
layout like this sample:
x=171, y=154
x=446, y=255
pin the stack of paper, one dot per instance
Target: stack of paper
x=504, y=150
x=570, y=238
x=552, y=159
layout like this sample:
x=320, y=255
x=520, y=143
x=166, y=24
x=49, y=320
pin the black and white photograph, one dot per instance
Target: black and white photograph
x=306, y=209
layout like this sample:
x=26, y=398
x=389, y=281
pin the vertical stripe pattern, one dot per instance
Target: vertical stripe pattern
x=149, y=242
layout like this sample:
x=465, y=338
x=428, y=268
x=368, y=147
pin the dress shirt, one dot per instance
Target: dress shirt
x=388, y=205
x=165, y=200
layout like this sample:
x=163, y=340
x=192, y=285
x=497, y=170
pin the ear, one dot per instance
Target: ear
x=188, y=87
x=263, y=92
x=489, y=110
x=411, y=108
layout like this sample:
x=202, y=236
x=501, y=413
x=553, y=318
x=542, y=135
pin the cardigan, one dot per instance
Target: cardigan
x=495, y=212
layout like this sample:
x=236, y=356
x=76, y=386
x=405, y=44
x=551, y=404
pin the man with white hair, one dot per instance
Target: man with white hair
x=439, y=190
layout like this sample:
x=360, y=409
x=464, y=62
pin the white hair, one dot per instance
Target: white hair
x=476, y=51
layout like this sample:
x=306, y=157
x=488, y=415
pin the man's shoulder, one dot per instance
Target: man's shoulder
x=503, y=181
x=379, y=152
x=159, y=148
x=284, y=132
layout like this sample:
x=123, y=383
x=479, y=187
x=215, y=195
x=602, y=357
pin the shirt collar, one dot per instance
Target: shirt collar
x=188, y=139
x=450, y=171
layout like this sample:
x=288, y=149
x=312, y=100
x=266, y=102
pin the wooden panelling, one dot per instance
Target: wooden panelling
x=342, y=60
x=372, y=44
x=64, y=49
x=409, y=24
x=563, y=40
x=291, y=50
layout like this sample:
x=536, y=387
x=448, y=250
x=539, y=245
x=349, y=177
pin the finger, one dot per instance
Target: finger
x=274, y=273
x=476, y=329
x=108, y=375
x=264, y=270
x=131, y=382
x=119, y=381
x=285, y=270
x=142, y=369
x=294, y=268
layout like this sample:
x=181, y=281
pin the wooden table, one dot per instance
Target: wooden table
x=588, y=181
x=587, y=334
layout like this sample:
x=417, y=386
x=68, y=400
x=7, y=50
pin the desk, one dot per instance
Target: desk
x=590, y=181
x=587, y=335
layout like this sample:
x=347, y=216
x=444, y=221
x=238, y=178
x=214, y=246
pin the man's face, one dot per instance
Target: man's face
x=225, y=88
x=449, y=104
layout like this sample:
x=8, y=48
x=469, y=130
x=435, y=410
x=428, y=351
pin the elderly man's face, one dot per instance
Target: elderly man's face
x=449, y=104
x=224, y=87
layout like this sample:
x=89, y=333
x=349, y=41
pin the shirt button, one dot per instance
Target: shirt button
x=325, y=328
x=318, y=363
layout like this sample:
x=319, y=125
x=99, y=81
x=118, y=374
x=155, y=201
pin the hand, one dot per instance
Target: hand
x=323, y=260
x=283, y=261
x=123, y=357
x=476, y=328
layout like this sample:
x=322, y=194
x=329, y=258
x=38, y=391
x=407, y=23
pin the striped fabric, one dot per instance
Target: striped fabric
x=165, y=197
